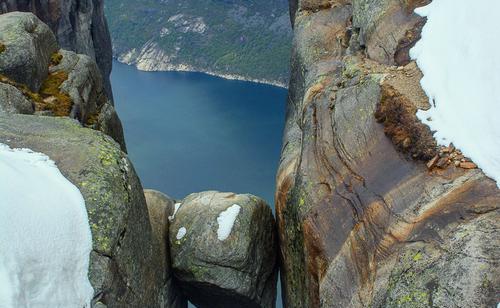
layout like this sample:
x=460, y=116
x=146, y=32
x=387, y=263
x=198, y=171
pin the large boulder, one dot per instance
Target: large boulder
x=160, y=207
x=224, y=250
x=123, y=269
x=79, y=25
x=28, y=45
x=13, y=101
x=370, y=212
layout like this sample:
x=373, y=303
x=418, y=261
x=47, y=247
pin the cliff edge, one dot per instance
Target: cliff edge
x=371, y=212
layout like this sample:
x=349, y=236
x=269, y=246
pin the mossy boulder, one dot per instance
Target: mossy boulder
x=224, y=250
x=123, y=271
x=84, y=86
x=28, y=45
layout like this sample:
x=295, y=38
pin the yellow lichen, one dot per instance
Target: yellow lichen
x=417, y=257
x=55, y=59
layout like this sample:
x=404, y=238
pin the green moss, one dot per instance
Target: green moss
x=2, y=47
x=234, y=42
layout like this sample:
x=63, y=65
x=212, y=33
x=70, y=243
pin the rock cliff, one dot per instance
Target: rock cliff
x=371, y=213
x=79, y=25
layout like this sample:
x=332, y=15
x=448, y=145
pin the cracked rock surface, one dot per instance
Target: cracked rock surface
x=362, y=220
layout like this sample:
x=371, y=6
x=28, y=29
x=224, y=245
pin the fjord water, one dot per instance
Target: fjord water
x=190, y=132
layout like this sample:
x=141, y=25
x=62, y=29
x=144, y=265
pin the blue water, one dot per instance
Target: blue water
x=190, y=132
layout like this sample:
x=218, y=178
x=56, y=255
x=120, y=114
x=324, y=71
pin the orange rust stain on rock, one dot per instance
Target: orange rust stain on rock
x=317, y=263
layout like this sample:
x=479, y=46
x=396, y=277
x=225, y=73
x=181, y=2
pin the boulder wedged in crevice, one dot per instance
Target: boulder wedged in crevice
x=224, y=250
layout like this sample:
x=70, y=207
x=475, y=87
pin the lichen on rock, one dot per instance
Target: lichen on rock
x=224, y=249
x=354, y=190
x=123, y=271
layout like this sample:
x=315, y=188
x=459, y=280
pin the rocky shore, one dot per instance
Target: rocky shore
x=151, y=58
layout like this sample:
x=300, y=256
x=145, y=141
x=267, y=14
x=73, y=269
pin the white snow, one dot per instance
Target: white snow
x=457, y=54
x=181, y=233
x=176, y=208
x=226, y=221
x=45, y=238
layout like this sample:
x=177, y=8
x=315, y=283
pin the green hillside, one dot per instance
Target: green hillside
x=249, y=38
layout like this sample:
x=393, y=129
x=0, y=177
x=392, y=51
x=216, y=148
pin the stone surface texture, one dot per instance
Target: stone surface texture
x=239, y=271
x=13, y=101
x=160, y=207
x=123, y=269
x=362, y=220
x=28, y=45
x=79, y=25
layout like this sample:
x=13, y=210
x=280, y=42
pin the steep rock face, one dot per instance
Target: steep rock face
x=224, y=250
x=79, y=25
x=123, y=269
x=370, y=212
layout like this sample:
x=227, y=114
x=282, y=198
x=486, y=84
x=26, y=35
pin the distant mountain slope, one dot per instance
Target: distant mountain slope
x=249, y=39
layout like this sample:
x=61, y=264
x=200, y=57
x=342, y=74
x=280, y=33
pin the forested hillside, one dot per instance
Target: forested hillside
x=251, y=39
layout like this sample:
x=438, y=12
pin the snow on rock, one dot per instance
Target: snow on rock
x=176, y=208
x=181, y=233
x=462, y=76
x=226, y=221
x=45, y=238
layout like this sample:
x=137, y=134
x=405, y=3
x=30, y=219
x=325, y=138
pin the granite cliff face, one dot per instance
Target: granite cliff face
x=79, y=25
x=371, y=213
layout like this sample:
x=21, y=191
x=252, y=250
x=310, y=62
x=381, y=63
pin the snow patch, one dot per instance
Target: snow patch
x=45, y=238
x=181, y=233
x=176, y=208
x=461, y=77
x=226, y=221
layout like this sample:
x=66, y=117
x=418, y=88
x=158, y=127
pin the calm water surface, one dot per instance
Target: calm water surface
x=190, y=132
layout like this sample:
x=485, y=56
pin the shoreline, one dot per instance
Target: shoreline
x=168, y=67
